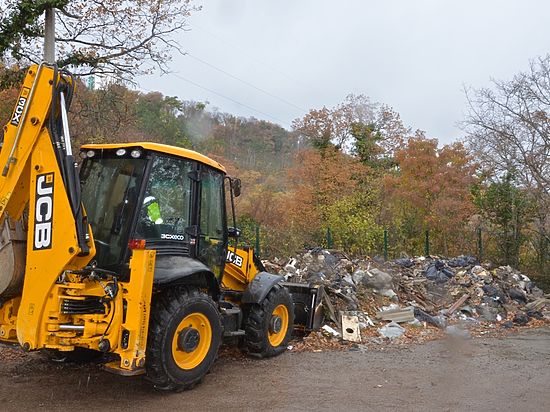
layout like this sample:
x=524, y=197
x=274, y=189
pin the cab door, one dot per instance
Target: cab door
x=212, y=220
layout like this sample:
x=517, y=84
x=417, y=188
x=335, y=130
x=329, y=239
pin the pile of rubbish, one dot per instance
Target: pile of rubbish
x=374, y=301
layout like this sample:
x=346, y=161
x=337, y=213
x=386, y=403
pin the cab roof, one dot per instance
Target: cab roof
x=161, y=148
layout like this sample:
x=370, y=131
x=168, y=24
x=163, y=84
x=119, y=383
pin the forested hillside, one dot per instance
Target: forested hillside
x=351, y=175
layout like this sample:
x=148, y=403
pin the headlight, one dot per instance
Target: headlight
x=121, y=152
x=136, y=154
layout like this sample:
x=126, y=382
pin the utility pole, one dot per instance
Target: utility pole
x=49, y=36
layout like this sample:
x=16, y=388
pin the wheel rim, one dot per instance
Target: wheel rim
x=279, y=317
x=188, y=353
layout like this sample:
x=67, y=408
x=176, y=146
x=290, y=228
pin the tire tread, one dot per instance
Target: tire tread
x=257, y=324
x=163, y=310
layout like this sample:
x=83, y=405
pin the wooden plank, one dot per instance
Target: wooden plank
x=458, y=303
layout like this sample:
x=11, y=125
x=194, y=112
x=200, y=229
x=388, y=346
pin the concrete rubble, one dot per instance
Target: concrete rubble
x=392, y=330
x=415, y=298
x=351, y=330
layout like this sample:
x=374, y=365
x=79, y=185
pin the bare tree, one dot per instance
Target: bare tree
x=120, y=38
x=508, y=126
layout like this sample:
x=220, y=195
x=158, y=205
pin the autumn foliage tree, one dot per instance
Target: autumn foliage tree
x=316, y=182
x=431, y=190
x=335, y=183
x=341, y=126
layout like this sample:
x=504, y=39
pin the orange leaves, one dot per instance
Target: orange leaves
x=317, y=180
x=432, y=188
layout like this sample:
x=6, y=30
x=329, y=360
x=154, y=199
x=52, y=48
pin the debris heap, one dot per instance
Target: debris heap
x=429, y=295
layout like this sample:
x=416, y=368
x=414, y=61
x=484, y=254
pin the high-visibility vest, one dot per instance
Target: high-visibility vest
x=153, y=209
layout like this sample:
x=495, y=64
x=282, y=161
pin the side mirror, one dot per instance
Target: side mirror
x=233, y=232
x=236, y=186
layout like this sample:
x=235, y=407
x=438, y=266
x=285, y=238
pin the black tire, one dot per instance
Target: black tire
x=168, y=312
x=78, y=355
x=261, y=339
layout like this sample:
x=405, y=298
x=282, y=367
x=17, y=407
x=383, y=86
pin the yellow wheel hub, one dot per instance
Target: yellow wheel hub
x=278, y=325
x=192, y=341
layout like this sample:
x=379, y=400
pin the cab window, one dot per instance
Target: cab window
x=165, y=210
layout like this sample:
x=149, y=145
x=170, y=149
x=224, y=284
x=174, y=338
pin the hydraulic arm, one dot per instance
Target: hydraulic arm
x=60, y=300
x=38, y=170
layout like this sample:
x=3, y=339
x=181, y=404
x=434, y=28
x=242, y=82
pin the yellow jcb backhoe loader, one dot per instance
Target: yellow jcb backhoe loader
x=129, y=255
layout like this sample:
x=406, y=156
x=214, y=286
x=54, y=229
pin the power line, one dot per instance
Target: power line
x=227, y=98
x=223, y=40
x=247, y=83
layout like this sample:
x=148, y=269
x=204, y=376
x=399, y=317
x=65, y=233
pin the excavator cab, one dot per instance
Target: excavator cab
x=155, y=197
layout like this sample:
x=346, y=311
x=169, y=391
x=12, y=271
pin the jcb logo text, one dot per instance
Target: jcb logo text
x=43, y=214
x=234, y=258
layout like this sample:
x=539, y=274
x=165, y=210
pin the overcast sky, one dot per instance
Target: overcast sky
x=276, y=59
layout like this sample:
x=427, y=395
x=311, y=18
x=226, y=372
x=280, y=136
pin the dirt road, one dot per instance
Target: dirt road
x=481, y=374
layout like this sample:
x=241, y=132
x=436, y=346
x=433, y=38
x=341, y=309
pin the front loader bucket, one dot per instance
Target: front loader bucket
x=308, y=305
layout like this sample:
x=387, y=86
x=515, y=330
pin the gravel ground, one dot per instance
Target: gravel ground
x=483, y=374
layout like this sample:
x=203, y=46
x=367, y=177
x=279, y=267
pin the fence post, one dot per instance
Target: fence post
x=479, y=244
x=329, y=239
x=385, y=245
x=427, y=243
x=257, y=246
